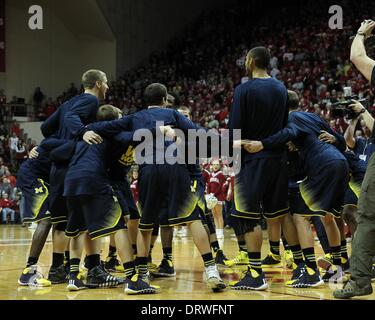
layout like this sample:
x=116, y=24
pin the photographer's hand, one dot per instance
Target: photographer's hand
x=358, y=54
x=357, y=107
x=367, y=117
x=366, y=28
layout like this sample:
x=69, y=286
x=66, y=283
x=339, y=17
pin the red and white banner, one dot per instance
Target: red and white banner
x=2, y=35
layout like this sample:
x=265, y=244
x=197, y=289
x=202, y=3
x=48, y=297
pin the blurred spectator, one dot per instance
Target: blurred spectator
x=4, y=171
x=5, y=186
x=7, y=208
x=21, y=153
x=13, y=142
x=15, y=128
x=38, y=98
x=73, y=91
x=50, y=108
x=3, y=131
x=2, y=149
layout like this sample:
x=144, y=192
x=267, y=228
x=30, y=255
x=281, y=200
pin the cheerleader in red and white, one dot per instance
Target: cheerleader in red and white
x=134, y=185
x=216, y=186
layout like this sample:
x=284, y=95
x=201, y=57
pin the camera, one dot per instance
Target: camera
x=342, y=109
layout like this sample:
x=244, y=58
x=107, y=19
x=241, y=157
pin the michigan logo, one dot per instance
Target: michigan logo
x=39, y=190
x=127, y=158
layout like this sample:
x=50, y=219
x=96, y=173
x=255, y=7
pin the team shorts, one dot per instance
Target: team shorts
x=261, y=187
x=57, y=202
x=297, y=204
x=126, y=200
x=35, y=202
x=324, y=188
x=100, y=215
x=166, y=192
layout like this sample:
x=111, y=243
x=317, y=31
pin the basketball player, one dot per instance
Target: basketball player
x=68, y=123
x=322, y=193
x=33, y=178
x=94, y=208
x=259, y=110
x=173, y=185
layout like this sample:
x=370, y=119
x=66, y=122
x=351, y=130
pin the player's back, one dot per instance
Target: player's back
x=153, y=117
x=263, y=104
x=85, y=106
x=87, y=173
x=309, y=143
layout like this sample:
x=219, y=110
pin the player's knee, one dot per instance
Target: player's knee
x=46, y=224
x=250, y=225
x=329, y=219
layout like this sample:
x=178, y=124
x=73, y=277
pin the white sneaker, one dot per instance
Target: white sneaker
x=213, y=279
x=220, y=234
x=33, y=226
x=183, y=232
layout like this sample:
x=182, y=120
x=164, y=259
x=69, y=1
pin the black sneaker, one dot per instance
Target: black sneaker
x=99, y=278
x=373, y=273
x=57, y=275
x=113, y=265
x=220, y=258
x=351, y=289
x=251, y=281
x=75, y=283
x=166, y=269
x=139, y=285
x=335, y=274
x=272, y=261
x=298, y=270
x=85, y=265
x=309, y=278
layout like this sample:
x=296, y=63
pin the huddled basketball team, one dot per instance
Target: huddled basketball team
x=82, y=181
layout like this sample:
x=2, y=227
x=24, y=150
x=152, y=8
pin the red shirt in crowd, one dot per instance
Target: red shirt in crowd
x=15, y=129
x=135, y=191
x=6, y=203
x=216, y=185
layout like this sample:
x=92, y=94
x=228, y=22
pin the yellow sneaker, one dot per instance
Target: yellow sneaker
x=241, y=259
x=32, y=277
x=288, y=258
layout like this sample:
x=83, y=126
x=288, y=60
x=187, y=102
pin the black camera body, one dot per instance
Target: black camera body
x=341, y=109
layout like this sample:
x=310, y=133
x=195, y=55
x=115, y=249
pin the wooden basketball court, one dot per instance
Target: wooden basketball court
x=187, y=285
